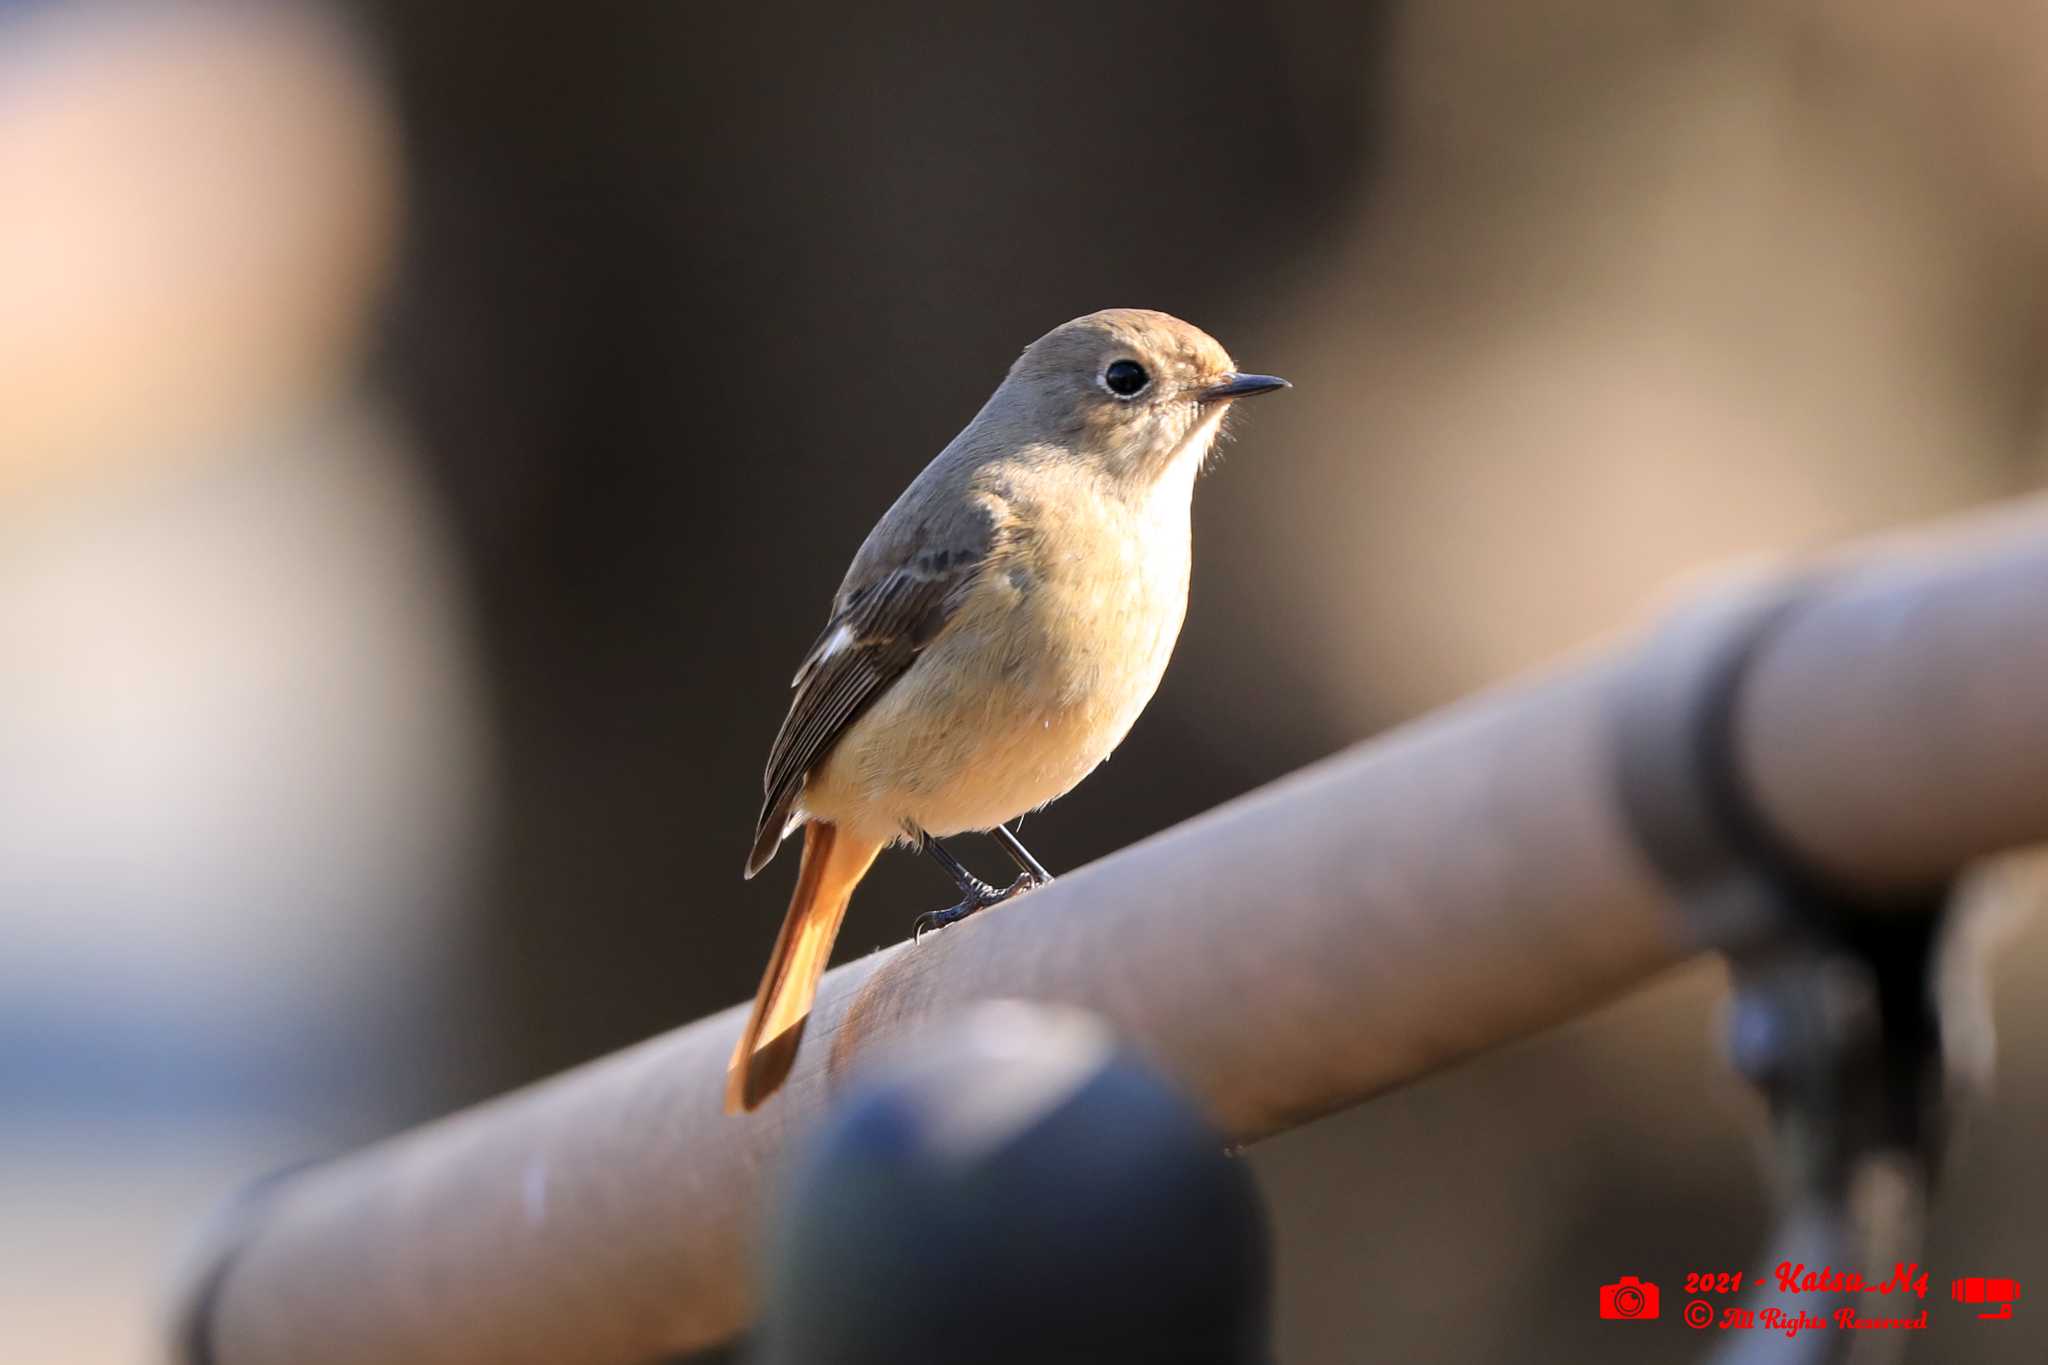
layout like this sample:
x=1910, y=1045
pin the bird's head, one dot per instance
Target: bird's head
x=1136, y=392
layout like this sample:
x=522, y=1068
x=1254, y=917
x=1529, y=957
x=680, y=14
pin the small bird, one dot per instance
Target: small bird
x=995, y=638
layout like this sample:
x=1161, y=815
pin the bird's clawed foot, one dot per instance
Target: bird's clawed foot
x=977, y=897
x=976, y=894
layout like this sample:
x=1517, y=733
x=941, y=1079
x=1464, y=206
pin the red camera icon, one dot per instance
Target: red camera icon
x=1982, y=1289
x=1628, y=1297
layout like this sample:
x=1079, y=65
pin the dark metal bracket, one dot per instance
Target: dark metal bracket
x=1834, y=1017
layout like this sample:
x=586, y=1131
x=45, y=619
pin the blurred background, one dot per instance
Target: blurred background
x=430, y=434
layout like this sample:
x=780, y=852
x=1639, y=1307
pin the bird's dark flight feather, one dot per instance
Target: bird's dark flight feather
x=890, y=614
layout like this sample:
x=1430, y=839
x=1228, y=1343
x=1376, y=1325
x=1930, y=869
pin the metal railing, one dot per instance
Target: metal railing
x=1468, y=879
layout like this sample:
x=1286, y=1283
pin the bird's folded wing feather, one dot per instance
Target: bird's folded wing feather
x=883, y=619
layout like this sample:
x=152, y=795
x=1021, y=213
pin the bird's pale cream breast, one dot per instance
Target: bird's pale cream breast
x=1046, y=666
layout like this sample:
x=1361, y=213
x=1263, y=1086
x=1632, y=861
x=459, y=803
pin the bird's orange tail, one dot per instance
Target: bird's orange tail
x=833, y=865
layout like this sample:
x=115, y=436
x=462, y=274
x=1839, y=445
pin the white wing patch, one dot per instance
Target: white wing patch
x=834, y=643
x=839, y=640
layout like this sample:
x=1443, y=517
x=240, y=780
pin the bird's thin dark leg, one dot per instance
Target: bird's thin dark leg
x=1020, y=855
x=975, y=894
x=969, y=884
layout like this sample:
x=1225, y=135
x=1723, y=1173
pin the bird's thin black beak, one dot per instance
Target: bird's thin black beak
x=1242, y=386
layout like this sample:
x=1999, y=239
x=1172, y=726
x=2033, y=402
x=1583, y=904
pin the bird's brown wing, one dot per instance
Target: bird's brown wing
x=880, y=623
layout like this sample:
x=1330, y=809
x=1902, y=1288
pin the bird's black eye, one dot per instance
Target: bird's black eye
x=1125, y=378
